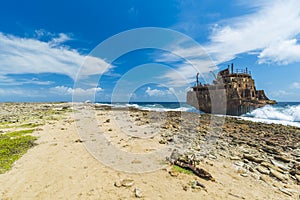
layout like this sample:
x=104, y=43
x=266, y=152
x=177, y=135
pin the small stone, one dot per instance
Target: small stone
x=173, y=173
x=210, y=156
x=110, y=129
x=185, y=188
x=235, y=158
x=118, y=183
x=107, y=121
x=241, y=171
x=138, y=193
x=127, y=182
x=240, y=164
x=244, y=175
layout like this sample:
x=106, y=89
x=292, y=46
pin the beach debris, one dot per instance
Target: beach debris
x=197, y=171
x=197, y=185
x=138, y=193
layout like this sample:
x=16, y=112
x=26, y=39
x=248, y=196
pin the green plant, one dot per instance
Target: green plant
x=181, y=170
x=12, y=146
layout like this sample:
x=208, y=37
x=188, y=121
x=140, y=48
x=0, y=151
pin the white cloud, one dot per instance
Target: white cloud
x=63, y=90
x=59, y=40
x=26, y=55
x=274, y=26
x=7, y=81
x=158, y=93
x=283, y=52
x=295, y=85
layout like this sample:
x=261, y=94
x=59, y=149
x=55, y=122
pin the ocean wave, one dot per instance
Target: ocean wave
x=153, y=107
x=287, y=115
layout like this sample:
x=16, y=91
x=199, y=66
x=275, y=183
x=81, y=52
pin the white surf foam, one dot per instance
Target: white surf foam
x=287, y=115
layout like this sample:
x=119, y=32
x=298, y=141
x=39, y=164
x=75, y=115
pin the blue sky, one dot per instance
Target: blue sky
x=48, y=46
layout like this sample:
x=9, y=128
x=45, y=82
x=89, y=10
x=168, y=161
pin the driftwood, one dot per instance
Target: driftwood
x=198, y=171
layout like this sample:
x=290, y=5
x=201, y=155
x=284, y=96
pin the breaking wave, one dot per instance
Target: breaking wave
x=282, y=114
x=158, y=107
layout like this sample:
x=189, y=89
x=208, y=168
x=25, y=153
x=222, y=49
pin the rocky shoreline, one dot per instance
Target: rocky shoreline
x=240, y=155
x=266, y=152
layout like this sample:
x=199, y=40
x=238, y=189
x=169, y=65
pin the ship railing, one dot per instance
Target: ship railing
x=242, y=71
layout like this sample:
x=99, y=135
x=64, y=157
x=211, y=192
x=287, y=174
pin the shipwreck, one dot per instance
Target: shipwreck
x=232, y=93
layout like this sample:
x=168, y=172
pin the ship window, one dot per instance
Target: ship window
x=246, y=85
x=252, y=93
x=239, y=85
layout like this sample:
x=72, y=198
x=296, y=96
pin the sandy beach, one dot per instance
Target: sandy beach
x=247, y=160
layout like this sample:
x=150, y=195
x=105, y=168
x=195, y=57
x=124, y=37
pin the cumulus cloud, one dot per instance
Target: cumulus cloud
x=283, y=52
x=28, y=55
x=63, y=90
x=159, y=93
x=273, y=27
x=295, y=85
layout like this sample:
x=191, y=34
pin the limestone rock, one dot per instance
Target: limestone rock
x=266, y=179
x=278, y=175
x=263, y=170
x=253, y=158
x=127, y=182
x=281, y=166
x=138, y=193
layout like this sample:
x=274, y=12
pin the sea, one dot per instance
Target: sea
x=286, y=113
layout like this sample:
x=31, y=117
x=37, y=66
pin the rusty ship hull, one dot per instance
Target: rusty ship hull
x=231, y=94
